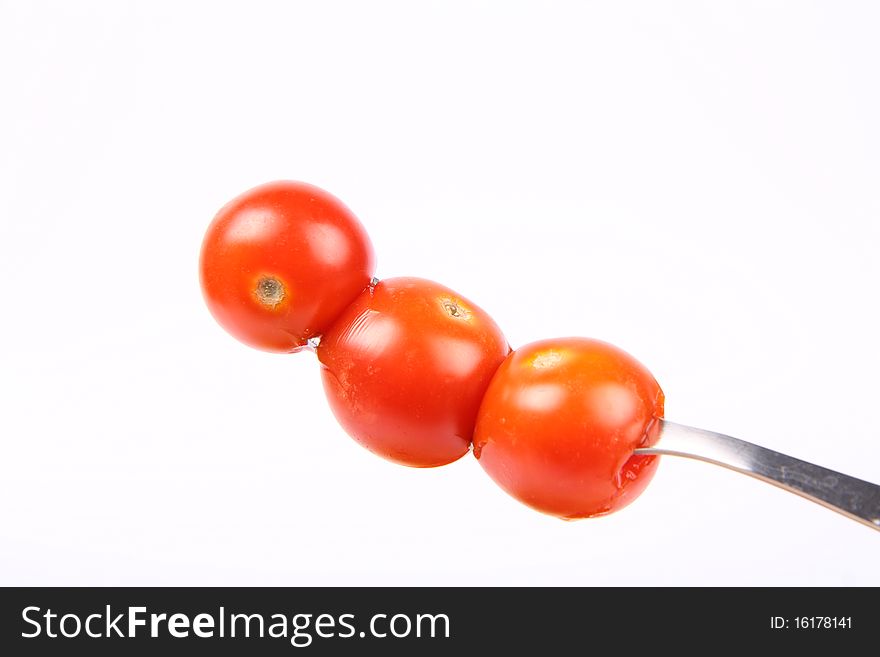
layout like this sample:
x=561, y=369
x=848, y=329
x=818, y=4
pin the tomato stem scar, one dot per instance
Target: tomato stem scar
x=270, y=291
x=454, y=309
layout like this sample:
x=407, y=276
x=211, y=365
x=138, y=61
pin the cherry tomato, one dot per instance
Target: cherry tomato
x=405, y=368
x=281, y=262
x=559, y=423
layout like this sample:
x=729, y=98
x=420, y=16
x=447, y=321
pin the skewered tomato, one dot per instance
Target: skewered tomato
x=405, y=369
x=559, y=423
x=281, y=262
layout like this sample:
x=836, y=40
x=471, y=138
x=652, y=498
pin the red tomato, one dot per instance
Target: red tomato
x=405, y=368
x=559, y=423
x=281, y=262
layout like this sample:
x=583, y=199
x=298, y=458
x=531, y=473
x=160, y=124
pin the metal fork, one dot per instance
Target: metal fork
x=854, y=498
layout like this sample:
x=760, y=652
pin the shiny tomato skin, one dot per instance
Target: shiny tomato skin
x=281, y=262
x=405, y=368
x=559, y=423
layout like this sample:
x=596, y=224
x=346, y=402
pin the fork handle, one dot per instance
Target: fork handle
x=854, y=498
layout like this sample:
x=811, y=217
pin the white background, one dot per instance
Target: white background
x=697, y=183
